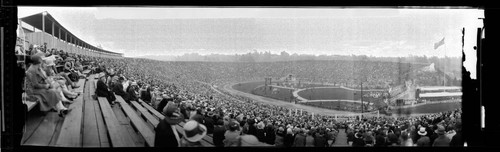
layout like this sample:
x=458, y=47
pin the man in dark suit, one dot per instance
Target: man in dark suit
x=118, y=88
x=209, y=122
x=102, y=89
x=166, y=134
x=131, y=92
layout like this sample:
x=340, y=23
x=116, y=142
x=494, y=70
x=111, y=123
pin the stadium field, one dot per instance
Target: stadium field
x=247, y=87
x=279, y=93
x=330, y=94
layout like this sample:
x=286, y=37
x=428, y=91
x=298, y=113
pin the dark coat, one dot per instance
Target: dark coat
x=423, y=142
x=280, y=139
x=441, y=141
x=380, y=141
x=146, y=95
x=350, y=136
x=118, y=90
x=102, y=91
x=131, y=93
x=288, y=140
x=270, y=135
x=252, y=130
x=209, y=123
x=358, y=142
x=320, y=141
x=261, y=135
x=218, y=136
x=300, y=140
x=457, y=140
x=164, y=134
x=164, y=102
x=199, y=118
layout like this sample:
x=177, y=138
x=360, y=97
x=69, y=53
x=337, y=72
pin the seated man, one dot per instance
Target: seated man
x=117, y=88
x=102, y=90
x=131, y=91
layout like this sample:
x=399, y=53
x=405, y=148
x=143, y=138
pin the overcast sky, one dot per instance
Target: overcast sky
x=175, y=31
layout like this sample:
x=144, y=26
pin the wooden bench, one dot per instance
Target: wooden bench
x=117, y=139
x=141, y=126
x=81, y=83
x=91, y=130
x=70, y=135
x=153, y=121
x=152, y=110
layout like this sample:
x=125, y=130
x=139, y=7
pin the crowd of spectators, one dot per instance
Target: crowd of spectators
x=179, y=90
x=51, y=76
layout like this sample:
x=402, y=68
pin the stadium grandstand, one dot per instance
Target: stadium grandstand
x=79, y=95
x=438, y=93
x=43, y=30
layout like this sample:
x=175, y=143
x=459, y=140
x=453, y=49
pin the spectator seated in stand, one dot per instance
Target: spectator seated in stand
x=38, y=85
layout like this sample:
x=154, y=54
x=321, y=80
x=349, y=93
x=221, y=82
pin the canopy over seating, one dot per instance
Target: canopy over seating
x=46, y=23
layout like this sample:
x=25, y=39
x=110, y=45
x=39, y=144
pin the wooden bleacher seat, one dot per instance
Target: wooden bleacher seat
x=151, y=109
x=81, y=83
x=141, y=126
x=153, y=121
x=114, y=128
x=70, y=134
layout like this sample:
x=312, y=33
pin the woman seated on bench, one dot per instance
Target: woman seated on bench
x=38, y=84
x=58, y=81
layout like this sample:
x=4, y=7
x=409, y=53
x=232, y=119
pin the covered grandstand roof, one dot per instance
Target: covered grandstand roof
x=44, y=19
x=441, y=94
x=439, y=88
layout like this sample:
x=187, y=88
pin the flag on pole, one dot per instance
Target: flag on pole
x=438, y=44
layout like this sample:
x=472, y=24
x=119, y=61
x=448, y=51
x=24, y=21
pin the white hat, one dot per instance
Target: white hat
x=422, y=131
x=193, y=131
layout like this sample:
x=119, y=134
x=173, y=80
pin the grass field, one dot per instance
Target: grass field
x=281, y=94
x=330, y=94
x=429, y=108
x=336, y=105
x=247, y=87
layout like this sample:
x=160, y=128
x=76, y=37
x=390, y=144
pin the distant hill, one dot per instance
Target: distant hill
x=452, y=64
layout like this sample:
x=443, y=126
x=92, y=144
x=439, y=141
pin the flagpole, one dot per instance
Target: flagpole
x=444, y=65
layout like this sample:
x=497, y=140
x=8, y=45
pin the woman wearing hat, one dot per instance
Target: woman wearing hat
x=38, y=85
x=192, y=134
